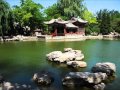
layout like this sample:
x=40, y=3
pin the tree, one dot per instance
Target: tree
x=65, y=9
x=29, y=14
x=5, y=18
x=70, y=8
x=92, y=26
x=52, y=12
x=87, y=15
x=116, y=25
x=115, y=21
x=104, y=20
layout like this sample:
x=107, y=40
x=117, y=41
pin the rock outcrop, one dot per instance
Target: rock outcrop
x=10, y=86
x=22, y=87
x=106, y=67
x=42, y=78
x=87, y=79
x=100, y=72
x=68, y=55
x=84, y=78
x=100, y=86
x=76, y=64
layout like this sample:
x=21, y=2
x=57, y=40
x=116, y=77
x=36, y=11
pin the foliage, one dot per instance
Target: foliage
x=92, y=29
x=52, y=12
x=115, y=21
x=87, y=15
x=104, y=20
x=109, y=21
x=71, y=8
x=6, y=19
x=29, y=14
x=65, y=9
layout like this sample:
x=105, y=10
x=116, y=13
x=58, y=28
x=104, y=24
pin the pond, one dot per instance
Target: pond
x=20, y=60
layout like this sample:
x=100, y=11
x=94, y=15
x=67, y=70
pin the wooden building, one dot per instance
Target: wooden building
x=80, y=23
x=60, y=27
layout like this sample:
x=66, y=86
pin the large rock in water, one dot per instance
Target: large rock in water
x=68, y=55
x=53, y=55
x=42, y=78
x=10, y=86
x=100, y=86
x=22, y=87
x=106, y=67
x=85, y=79
x=76, y=64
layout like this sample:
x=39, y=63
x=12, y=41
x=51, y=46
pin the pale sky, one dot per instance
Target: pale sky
x=92, y=5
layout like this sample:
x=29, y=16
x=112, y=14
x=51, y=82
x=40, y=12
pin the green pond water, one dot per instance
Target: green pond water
x=20, y=60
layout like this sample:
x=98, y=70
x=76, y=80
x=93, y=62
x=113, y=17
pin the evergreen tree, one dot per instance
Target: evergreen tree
x=103, y=18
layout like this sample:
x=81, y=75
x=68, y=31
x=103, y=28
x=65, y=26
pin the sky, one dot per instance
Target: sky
x=92, y=5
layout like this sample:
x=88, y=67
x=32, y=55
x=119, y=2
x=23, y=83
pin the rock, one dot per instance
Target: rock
x=68, y=55
x=83, y=78
x=42, y=78
x=53, y=55
x=64, y=58
x=76, y=64
x=107, y=67
x=22, y=87
x=100, y=86
x=8, y=86
x=79, y=58
x=67, y=49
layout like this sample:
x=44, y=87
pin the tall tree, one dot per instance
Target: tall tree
x=103, y=18
x=65, y=9
x=71, y=8
x=4, y=17
x=52, y=12
x=29, y=14
x=115, y=21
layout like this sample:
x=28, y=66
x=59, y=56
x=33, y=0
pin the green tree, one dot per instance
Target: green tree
x=104, y=20
x=29, y=14
x=70, y=8
x=6, y=21
x=92, y=26
x=115, y=21
x=87, y=15
x=116, y=25
x=52, y=12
